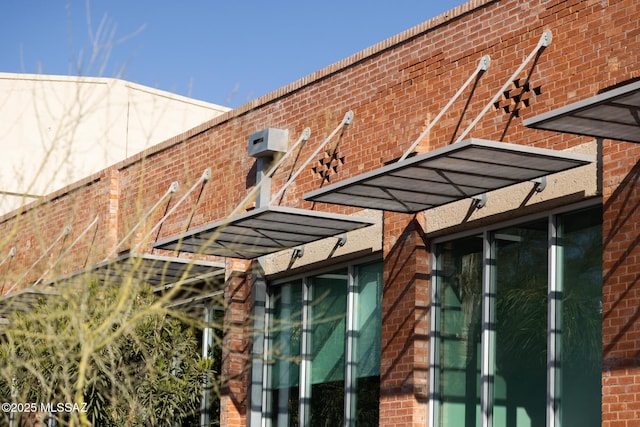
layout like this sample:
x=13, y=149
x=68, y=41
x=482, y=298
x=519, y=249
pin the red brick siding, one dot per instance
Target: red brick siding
x=621, y=287
x=405, y=326
x=34, y=231
x=236, y=342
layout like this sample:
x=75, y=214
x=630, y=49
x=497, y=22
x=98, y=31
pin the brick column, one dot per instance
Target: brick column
x=113, y=206
x=235, y=346
x=405, y=324
x=621, y=284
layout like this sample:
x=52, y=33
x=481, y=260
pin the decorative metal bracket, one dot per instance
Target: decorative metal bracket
x=546, y=38
x=484, y=63
x=348, y=118
x=480, y=200
x=540, y=184
x=298, y=252
x=11, y=254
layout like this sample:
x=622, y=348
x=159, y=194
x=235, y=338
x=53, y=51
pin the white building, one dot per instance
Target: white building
x=55, y=130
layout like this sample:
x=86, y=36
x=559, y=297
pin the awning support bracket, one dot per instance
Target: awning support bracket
x=545, y=41
x=66, y=251
x=173, y=187
x=206, y=176
x=346, y=121
x=298, y=252
x=483, y=65
x=11, y=254
x=480, y=201
x=540, y=184
x=65, y=232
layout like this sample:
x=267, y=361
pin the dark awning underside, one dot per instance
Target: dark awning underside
x=152, y=269
x=614, y=114
x=458, y=171
x=263, y=231
x=199, y=280
x=24, y=299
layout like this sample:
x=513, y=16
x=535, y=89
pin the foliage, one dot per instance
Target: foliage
x=116, y=348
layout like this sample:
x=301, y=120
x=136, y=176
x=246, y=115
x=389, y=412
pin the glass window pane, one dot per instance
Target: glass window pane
x=324, y=381
x=521, y=254
x=369, y=324
x=285, y=330
x=460, y=281
x=328, y=327
x=580, y=276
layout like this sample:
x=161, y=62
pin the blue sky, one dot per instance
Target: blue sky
x=226, y=52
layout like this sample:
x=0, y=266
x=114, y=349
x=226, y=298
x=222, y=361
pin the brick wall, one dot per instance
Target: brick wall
x=394, y=89
x=621, y=284
x=404, y=369
x=38, y=234
x=234, y=402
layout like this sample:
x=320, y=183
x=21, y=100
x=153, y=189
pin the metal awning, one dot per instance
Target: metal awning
x=153, y=269
x=262, y=231
x=24, y=299
x=614, y=114
x=458, y=171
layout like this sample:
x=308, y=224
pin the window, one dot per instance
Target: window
x=501, y=359
x=324, y=333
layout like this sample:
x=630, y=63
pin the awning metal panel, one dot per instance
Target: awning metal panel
x=465, y=169
x=263, y=231
x=24, y=299
x=200, y=280
x=459, y=179
x=443, y=186
x=155, y=270
x=614, y=114
x=479, y=168
x=388, y=202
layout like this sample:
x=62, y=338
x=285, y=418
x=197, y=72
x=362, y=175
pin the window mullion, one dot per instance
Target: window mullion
x=435, y=400
x=554, y=325
x=488, y=329
x=258, y=312
x=351, y=338
x=267, y=389
x=306, y=353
